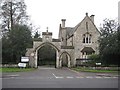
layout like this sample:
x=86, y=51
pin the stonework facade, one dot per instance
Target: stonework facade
x=74, y=43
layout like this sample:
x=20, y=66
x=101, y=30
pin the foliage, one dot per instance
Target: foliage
x=12, y=12
x=14, y=46
x=94, y=58
x=87, y=69
x=16, y=69
x=109, y=42
x=16, y=35
x=37, y=35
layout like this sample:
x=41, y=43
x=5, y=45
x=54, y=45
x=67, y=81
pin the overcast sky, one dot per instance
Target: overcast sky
x=48, y=13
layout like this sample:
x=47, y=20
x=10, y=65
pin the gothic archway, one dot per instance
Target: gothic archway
x=65, y=60
x=46, y=59
x=46, y=56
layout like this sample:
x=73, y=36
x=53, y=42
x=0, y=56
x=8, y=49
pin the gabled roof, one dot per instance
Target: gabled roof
x=71, y=30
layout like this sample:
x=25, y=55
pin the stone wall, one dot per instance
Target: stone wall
x=70, y=41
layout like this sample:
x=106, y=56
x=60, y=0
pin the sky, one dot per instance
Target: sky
x=119, y=12
x=48, y=13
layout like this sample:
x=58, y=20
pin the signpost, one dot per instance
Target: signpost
x=24, y=59
x=22, y=65
x=98, y=63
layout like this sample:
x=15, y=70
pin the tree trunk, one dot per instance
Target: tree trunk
x=11, y=15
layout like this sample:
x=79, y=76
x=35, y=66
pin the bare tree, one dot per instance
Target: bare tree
x=12, y=12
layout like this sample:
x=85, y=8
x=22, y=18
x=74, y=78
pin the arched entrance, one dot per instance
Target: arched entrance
x=65, y=59
x=46, y=54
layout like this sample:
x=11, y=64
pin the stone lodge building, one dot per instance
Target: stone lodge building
x=74, y=43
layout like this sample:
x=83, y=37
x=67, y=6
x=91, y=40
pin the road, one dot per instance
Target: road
x=58, y=78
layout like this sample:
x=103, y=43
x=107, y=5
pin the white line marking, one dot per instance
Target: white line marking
x=46, y=68
x=54, y=75
x=6, y=78
x=59, y=77
x=106, y=77
x=98, y=77
x=79, y=77
x=114, y=77
x=13, y=75
x=69, y=77
x=89, y=77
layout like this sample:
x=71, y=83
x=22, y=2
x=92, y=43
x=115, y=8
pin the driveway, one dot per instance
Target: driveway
x=58, y=78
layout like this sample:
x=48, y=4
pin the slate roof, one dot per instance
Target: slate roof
x=69, y=31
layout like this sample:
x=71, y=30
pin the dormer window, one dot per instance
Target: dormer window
x=87, y=38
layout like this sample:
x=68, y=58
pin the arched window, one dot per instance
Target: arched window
x=84, y=38
x=87, y=38
x=90, y=38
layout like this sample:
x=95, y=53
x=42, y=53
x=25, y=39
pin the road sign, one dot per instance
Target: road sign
x=24, y=59
x=22, y=65
x=98, y=63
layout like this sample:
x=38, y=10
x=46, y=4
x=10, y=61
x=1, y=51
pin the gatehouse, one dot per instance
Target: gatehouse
x=74, y=43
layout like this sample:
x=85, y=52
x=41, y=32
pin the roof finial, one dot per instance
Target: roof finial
x=86, y=14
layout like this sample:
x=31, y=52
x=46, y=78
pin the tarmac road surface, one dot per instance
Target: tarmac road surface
x=58, y=78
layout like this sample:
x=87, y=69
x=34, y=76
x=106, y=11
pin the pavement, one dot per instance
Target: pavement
x=45, y=77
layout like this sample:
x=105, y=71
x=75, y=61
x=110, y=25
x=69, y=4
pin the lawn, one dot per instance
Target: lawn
x=81, y=69
x=16, y=69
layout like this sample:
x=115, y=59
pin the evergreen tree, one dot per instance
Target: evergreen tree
x=109, y=42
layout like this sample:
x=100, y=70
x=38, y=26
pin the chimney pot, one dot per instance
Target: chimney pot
x=63, y=23
x=92, y=18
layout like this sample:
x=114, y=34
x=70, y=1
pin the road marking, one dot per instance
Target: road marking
x=106, y=77
x=69, y=77
x=59, y=77
x=46, y=68
x=13, y=75
x=54, y=75
x=98, y=77
x=115, y=77
x=89, y=77
x=79, y=77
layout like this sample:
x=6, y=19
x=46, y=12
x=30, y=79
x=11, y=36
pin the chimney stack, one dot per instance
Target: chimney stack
x=92, y=18
x=63, y=23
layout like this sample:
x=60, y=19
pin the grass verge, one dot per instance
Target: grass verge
x=80, y=69
x=16, y=69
